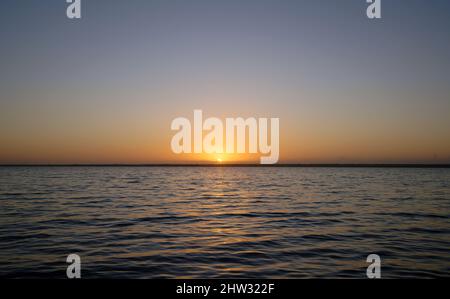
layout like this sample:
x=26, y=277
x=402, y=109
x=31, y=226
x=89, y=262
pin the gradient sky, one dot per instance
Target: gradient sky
x=104, y=89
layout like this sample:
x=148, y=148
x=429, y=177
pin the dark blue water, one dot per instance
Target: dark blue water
x=224, y=222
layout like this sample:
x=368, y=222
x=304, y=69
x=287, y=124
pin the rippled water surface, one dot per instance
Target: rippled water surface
x=223, y=222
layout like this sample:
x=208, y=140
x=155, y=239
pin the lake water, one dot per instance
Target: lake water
x=224, y=222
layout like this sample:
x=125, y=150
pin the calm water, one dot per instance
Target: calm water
x=156, y=222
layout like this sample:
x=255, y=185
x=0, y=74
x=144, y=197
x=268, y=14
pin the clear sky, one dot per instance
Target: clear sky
x=104, y=89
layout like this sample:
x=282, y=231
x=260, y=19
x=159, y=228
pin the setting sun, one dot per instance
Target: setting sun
x=227, y=147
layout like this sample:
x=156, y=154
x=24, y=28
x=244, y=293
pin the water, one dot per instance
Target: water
x=224, y=222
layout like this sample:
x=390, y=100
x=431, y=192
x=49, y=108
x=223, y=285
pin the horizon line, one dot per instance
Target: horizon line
x=356, y=165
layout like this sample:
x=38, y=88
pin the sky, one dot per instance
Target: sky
x=105, y=88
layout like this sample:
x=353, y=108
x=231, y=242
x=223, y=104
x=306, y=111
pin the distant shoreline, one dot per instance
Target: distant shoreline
x=332, y=165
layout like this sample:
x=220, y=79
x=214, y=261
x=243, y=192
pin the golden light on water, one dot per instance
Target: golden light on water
x=218, y=158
